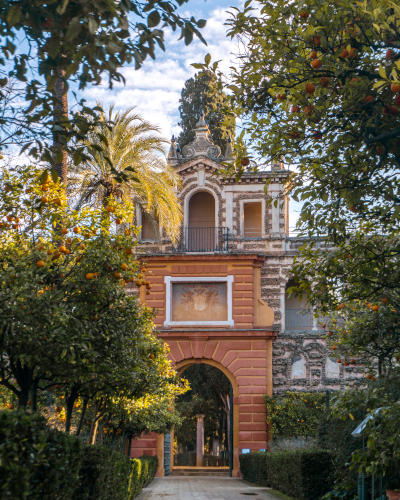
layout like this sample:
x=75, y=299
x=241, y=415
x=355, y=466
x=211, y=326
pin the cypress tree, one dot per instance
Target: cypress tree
x=200, y=93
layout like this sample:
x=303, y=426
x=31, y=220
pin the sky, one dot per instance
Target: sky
x=156, y=87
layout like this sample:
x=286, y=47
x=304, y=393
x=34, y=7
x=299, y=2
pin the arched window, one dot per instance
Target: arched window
x=202, y=210
x=332, y=369
x=298, y=367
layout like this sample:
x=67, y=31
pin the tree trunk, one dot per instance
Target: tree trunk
x=61, y=108
x=82, y=419
x=34, y=396
x=70, y=401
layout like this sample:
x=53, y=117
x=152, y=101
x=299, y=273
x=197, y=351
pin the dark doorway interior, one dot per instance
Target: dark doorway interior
x=210, y=395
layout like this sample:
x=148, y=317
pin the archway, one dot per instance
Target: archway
x=201, y=230
x=232, y=421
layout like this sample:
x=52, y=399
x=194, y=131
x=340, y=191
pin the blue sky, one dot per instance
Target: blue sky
x=155, y=88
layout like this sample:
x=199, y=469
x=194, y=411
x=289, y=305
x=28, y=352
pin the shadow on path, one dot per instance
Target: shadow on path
x=203, y=488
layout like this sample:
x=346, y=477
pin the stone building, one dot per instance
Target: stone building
x=220, y=290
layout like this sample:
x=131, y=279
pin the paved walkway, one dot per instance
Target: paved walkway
x=203, y=488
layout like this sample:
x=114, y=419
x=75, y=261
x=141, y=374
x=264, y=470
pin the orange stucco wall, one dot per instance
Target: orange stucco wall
x=243, y=352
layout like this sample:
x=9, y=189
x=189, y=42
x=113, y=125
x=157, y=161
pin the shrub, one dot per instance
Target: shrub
x=107, y=475
x=295, y=413
x=36, y=461
x=40, y=463
x=302, y=474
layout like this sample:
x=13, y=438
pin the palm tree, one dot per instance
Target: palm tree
x=127, y=161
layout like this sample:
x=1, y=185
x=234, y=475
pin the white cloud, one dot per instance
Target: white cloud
x=155, y=89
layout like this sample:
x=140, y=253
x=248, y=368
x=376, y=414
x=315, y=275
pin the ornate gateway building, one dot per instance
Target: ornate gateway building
x=220, y=291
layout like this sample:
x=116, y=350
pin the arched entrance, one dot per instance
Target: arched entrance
x=233, y=418
x=201, y=230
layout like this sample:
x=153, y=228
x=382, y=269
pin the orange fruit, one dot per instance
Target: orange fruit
x=151, y=356
x=310, y=88
x=375, y=308
x=40, y=263
x=62, y=275
x=316, y=64
x=78, y=258
x=339, y=360
x=10, y=218
x=67, y=251
x=245, y=162
x=69, y=240
x=58, y=202
x=333, y=347
x=118, y=221
x=44, y=187
x=44, y=199
x=110, y=209
x=330, y=333
x=368, y=305
x=64, y=231
x=369, y=98
x=304, y=15
x=324, y=81
x=117, y=276
x=385, y=300
x=344, y=54
x=76, y=230
x=353, y=53
x=308, y=110
x=11, y=406
x=129, y=251
x=295, y=109
x=317, y=41
x=89, y=276
x=281, y=97
x=323, y=325
x=124, y=266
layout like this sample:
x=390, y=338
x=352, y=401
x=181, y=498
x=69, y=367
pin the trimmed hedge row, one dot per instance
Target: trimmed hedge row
x=302, y=474
x=37, y=462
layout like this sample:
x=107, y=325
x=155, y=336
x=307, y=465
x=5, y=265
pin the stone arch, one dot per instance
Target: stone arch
x=246, y=362
x=184, y=364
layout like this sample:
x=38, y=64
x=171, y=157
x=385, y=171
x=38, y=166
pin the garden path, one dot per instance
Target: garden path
x=203, y=488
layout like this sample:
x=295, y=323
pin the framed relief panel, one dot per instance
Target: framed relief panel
x=199, y=301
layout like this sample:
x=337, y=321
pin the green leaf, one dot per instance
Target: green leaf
x=382, y=72
x=61, y=8
x=54, y=175
x=153, y=19
x=207, y=59
x=73, y=29
x=13, y=15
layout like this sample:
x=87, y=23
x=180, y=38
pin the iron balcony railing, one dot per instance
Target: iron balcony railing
x=202, y=239
x=299, y=318
x=304, y=318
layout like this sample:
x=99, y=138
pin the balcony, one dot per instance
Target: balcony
x=303, y=319
x=202, y=239
x=299, y=319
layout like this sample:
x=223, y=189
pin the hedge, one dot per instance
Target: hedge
x=302, y=474
x=40, y=463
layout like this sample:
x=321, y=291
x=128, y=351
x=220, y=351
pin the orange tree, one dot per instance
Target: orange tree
x=294, y=414
x=66, y=323
x=367, y=334
x=317, y=83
